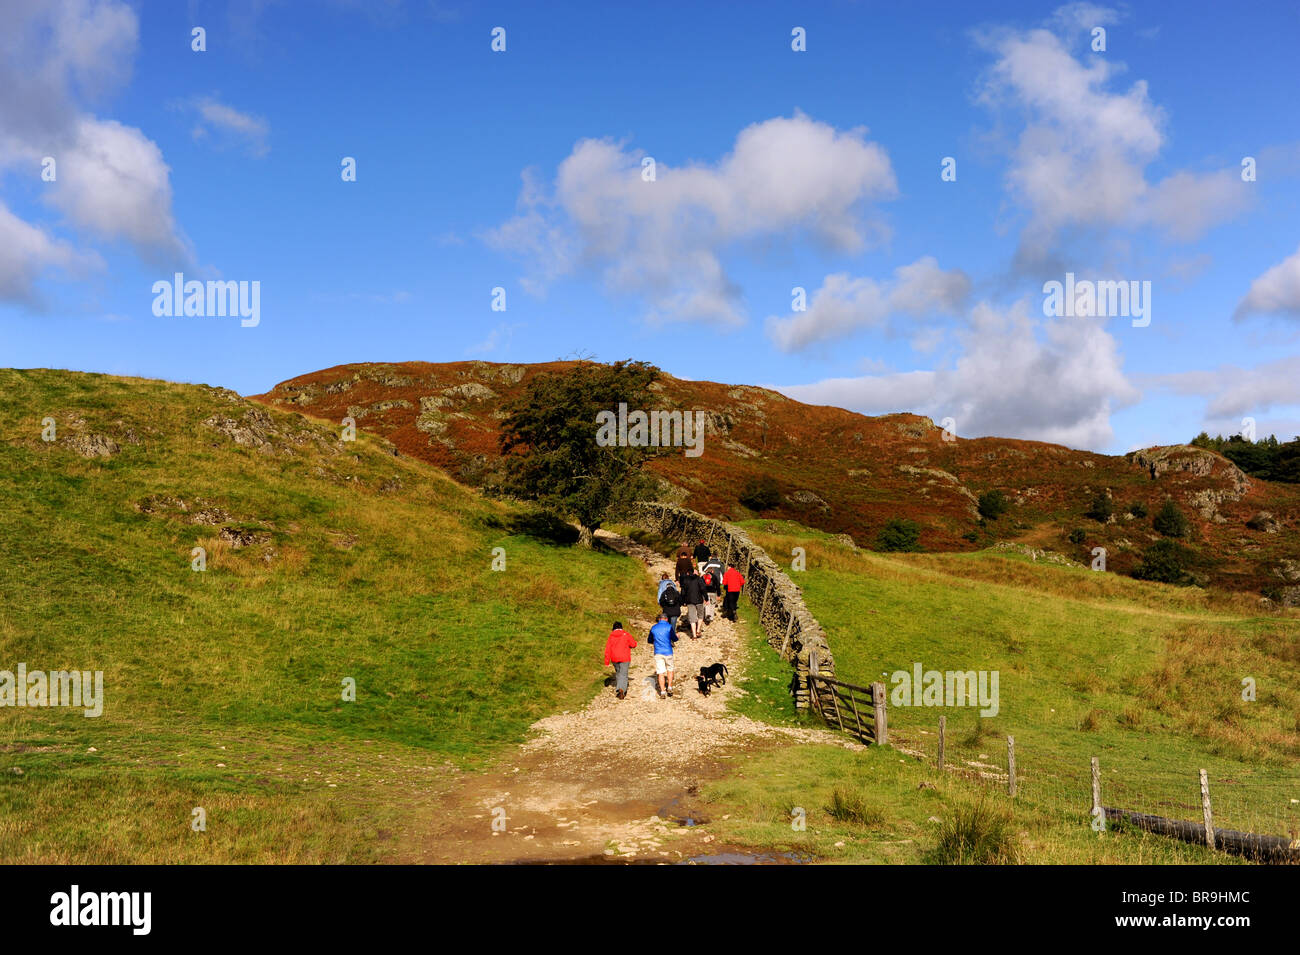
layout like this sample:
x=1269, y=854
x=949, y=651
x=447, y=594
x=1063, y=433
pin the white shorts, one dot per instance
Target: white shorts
x=663, y=663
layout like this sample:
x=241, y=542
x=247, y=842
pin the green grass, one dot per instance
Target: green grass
x=371, y=567
x=894, y=809
x=1148, y=678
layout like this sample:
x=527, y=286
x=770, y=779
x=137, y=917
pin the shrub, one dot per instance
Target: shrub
x=760, y=494
x=1101, y=509
x=1170, y=521
x=849, y=806
x=993, y=504
x=1165, y=561
x=1076, y=536
x=1138, y=509
x=899, y=534
x=976, y=834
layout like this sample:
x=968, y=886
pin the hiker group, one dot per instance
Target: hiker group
x=699, y=584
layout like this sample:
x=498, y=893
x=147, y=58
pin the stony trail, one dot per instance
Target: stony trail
x=615, y=780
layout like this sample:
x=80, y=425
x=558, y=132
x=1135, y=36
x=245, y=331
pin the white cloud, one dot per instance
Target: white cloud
x=228, y=124
x=1277, y=291
x=1232, y=392
x=663, y=240
x=844, y=305
x=499, y=337
x=112, y=182
x=1080, y=160
x=27, y=253
x=1017, y=376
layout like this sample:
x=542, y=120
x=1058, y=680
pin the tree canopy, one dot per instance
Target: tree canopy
x=549, y=447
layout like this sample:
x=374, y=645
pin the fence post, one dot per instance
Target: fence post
x=1205, y=807
x=789, y=628
x=766, y=594
x=880, y=716
x=1011, y=766
x=1096, y=787
x=943, y=726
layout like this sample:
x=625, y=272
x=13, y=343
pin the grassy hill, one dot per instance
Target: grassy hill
x=1146, y=677
x=842, y=472
x=325, y=560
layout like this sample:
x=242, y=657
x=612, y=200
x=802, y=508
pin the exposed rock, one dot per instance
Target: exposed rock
x=385, y=375
x=238, y=537
x=1035, y=554
x=807, y=498
x=470, y=391
x=716, y=422
x=1194, y=461
x=92, y=445
x=360, y=411
x=510, y=374
x=1288, y=571
x=1264, y=521
x=254, y=429
x=432, y=420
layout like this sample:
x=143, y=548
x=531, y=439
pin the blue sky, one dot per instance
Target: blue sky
x=774, y=169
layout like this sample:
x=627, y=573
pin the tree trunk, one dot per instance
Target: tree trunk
x=586, y=535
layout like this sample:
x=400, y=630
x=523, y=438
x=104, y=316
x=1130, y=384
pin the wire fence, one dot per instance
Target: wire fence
x=1264, y=800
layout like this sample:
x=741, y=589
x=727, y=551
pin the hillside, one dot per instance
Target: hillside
x=846, y=473
x=223, y=689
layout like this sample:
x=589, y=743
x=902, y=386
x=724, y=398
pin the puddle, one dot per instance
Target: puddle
x=723, y=857
x=748, y=858
x=687, y=820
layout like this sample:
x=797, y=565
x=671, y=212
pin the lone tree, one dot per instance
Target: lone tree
x=550, y=454
x=993, y=504
x=1102, y=507
x=1170, y=521
x=899, y=534
x=1165, y=561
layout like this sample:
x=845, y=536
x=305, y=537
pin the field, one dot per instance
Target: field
x=325, y=560
x=1146, y=677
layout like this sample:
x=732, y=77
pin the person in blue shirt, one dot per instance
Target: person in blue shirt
x=662, y=636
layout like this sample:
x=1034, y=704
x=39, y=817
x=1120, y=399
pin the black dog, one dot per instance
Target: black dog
x=716, y=674
x=703, y=684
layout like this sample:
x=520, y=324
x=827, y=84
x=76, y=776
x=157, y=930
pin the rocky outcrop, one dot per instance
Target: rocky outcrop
x=1198, y=462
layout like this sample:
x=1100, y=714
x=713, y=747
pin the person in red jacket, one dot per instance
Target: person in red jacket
x=732, y=582
x=618, y=651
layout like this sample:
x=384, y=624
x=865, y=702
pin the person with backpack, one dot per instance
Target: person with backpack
x=701, y=552
x=618, y=651
x=662, y=636
x=670, y=602
x=693, y=596
x=712, y=574
x=664, y=581
x=732, y=581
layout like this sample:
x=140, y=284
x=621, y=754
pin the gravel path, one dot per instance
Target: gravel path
x=612, y=779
